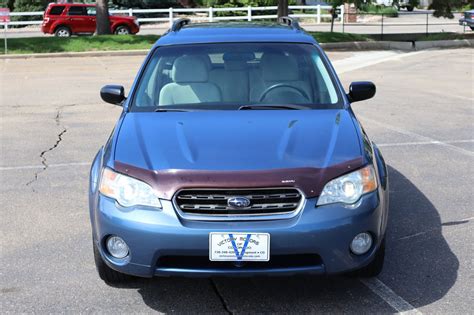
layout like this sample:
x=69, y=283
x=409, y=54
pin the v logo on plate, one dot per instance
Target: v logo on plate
x=236, y=250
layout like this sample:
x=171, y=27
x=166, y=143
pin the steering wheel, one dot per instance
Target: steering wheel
x=282, y=85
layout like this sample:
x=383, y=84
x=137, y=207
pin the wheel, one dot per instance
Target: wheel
x=105, y=272
x=472, y=27
x=62, y=31
x=410, y=9
x=122, y=30
x=375, y=267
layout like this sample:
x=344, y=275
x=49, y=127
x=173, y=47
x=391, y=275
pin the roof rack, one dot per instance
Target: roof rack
x=178, y=24
x=291, y=22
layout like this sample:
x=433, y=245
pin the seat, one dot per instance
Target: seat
x=278, y=68
x=233, y=79
x=190, y=83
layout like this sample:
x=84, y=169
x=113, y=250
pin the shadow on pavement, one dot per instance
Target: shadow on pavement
x=419, y=266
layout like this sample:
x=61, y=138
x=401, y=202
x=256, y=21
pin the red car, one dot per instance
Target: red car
x=66, y=19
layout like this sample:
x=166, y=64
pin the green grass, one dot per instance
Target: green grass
x=77, y=44
x=124, y=42
x=446, y=36
x=112, y=42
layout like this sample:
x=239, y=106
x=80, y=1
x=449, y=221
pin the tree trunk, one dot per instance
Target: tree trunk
x=102, y=18
x=282, y=8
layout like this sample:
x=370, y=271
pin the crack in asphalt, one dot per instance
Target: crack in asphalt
x=42, y=156
x=221, y=298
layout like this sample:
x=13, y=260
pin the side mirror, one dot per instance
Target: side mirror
x=359, y=91
x=113, y=94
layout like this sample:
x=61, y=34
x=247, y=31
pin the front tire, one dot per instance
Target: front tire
x=122, y=30
x=472, y=27
x=62, y=31
x=410, y=9
x=105, y=272
x=376, y=265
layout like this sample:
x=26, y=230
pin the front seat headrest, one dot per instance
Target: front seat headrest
x=188, y=69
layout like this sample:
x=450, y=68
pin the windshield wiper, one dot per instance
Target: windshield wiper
x=171, y=110
x=260, y=106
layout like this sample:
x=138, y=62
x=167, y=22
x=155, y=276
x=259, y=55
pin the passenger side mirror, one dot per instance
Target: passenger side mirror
x=113, y=94
x=359, y=91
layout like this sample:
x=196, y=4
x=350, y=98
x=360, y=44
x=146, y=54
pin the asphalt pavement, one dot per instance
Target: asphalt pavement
x=52, y=123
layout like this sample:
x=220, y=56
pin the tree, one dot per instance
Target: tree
x=282, y=8
x=443, y=8
x=103, y=22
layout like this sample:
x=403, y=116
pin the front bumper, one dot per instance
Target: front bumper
x=157, y=239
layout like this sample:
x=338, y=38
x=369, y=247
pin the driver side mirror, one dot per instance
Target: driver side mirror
x=359, y=91
x=113, y=94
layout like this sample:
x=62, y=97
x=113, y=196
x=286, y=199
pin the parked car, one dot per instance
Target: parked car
x=398, y=4
x=468, y=19
x=237, y=153
x=66, y=19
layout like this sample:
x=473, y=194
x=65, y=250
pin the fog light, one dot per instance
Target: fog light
x=117, y=247
x=361, y=243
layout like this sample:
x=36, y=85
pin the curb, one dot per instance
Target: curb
x=349, y=46
x=368, y=46
x=388, y=45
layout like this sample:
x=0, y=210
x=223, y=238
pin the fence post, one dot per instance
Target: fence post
x=5, y=27
x=427, y=24
x=342, y=16
x=171, y=16
x=130, y=12
x=318, y=18
x=381, y=36
x=249, y=13
x=211, y=14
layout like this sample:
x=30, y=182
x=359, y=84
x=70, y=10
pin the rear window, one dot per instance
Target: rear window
x=77, y=11
x=56, y=10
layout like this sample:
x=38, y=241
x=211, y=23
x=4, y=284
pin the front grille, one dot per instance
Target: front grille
x=215, y=202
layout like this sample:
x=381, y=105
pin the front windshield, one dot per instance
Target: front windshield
x=232, y=75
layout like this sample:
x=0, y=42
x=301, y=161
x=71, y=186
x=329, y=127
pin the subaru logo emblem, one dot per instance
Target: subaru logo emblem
x=238, y=202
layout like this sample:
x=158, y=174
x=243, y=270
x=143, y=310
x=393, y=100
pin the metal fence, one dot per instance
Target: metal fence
x=316, y=12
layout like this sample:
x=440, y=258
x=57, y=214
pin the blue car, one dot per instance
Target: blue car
x=237, y=154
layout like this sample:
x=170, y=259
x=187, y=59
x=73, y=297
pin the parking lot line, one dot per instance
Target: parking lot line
x=416, y=135
x=367, y=59
x=396, y=144
x=29, y=167
x=390, y=297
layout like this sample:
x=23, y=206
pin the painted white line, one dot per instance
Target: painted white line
x=390, y=297
x=28, y=167
x=416, y=135
x=367, y=59
x=397, y=144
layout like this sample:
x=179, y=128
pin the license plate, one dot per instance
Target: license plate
x=239, y=246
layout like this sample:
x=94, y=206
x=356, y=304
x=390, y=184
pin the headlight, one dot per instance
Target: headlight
x=127, y=191
x=350, y=187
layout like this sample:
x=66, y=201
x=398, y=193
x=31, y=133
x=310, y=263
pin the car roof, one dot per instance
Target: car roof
x=72, y=4
x=231, y=32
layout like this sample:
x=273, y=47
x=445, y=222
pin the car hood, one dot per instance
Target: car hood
x=237, y=140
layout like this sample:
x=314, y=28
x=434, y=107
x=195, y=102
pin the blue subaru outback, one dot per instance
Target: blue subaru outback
x=237, y=153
